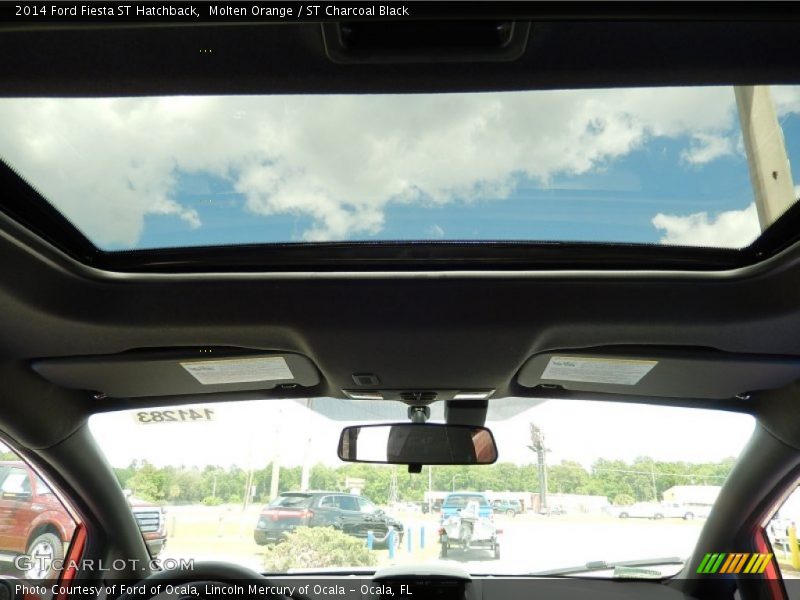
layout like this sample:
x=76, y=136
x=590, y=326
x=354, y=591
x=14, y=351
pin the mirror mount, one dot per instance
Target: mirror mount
x=466, y=412
x=419, y=414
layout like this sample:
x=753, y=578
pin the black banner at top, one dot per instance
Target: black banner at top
x=208, y=12
x=32, y=12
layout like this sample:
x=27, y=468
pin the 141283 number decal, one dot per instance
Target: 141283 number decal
x=181, y=415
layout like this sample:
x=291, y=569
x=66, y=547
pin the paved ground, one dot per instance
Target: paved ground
x=539, y=543
x=528, y=542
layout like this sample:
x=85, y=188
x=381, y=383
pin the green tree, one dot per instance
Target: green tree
x=568, y=477
x=146, y=482
x=610, y=478
x=323, y=477
x=623, y=500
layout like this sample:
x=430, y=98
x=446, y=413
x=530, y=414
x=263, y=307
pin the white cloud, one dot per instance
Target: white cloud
x=170, y=207
x=728, y=229
x=338, y=160
x=786, y=99
x=706, y=147
x=436, y=232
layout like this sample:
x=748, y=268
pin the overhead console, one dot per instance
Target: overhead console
x=180, y=371
x=660, y=372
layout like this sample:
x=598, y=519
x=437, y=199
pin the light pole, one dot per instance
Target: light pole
x=305, y=473
x=653, y=476
x=770, y=172
x=430, y=488
x=276, y=456
x=453, y=482
x=538, y=446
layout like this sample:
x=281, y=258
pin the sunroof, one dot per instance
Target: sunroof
x=654, y=166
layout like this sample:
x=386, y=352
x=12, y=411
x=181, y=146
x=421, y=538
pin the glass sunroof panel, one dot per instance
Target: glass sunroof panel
x=658, y=165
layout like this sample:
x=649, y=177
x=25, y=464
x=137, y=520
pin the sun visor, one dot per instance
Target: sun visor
x=659, y=372
x=179, y=372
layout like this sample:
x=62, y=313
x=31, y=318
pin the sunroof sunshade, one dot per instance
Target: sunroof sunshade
x=658, y=165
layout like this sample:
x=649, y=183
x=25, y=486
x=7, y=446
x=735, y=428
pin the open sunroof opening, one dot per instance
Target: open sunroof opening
x=704, y=166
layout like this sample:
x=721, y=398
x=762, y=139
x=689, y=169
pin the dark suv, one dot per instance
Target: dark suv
x=354, y=515
x=509, y=507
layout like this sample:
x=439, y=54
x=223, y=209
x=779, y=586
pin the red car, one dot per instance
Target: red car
x=33, y=521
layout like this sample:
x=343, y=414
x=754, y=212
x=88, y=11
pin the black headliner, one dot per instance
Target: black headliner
x=756, y=46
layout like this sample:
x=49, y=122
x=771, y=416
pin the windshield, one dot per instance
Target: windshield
x=461, y=500
x=692, y=166
x=291, y=500
x=259, y=483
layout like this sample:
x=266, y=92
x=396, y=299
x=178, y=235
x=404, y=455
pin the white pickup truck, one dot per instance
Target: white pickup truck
x=653, y=510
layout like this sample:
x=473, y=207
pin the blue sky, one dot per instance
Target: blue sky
x=640, y=165
x=615, y=205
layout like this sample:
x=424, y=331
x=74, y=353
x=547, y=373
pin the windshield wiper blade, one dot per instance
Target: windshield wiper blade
x=601, y=565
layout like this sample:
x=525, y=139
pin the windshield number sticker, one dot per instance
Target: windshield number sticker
x=181, y=415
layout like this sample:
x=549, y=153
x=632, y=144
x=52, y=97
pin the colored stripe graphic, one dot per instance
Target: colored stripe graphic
x=737, y=562
x=730, y=563
x=766, y=558
x=704, y=564
x=754, y=564
x=710, y=563
x=737, y=567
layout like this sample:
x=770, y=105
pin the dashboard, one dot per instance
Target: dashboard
x=450, y=582
x=225, y=581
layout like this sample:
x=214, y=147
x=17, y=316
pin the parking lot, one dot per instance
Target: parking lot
x=528, y=543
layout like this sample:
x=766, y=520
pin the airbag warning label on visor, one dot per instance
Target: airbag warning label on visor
x=239, y=370
x=597, y=370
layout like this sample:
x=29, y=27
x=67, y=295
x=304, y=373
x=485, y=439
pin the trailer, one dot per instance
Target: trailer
x=467, y=530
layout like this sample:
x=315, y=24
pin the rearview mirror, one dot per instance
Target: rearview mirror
x=418, y=443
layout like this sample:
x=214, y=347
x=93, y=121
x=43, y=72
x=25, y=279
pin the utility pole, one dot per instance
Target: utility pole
x=430, y=488
x=653, y=477
x=305, y=474
x=393, y=493
x=276, y=473
x=542, y=475
x=770, y=173
x=248, y=479
x=538, y=446
x=276, y=465
x=248, y=487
